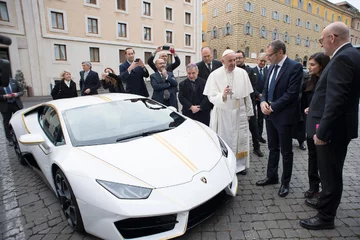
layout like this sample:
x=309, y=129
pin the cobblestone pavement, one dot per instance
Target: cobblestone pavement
x=29, y=210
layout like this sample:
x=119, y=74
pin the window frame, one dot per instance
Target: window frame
x=97, y=5
x=172, y=36
x=185, y=36
x=185, y=18
x=7, y=12
x=228, y=7
x=60, y=59
x=117, y=9
x=172, y=14
x=64, y=15
x=41, y=114
x=117, y=30
x=143, y=8
x=98, y=34
x=143, y=33
x=94, y=48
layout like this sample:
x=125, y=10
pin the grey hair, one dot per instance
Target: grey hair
x=191, y=66
x=62, y=74
x=88, y=63
x=261, y=55
x=278, y=45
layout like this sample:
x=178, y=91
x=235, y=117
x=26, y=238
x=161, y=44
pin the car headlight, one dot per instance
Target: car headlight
x=223, y=147
x=124, y=191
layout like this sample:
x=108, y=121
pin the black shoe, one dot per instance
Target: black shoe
x=262, y=140
x=302, y=146
x=243, y=172
x=267, y=181
x=311, y=193
x=284, y=190
x=258, y=152
x=316, y=223
x=313, y=202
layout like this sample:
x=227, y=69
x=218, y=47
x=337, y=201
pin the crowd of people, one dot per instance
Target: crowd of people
x=235, y=100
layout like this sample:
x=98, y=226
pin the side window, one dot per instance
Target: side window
x=50, y=123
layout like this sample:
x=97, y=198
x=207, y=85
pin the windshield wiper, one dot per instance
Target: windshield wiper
x=143, y=134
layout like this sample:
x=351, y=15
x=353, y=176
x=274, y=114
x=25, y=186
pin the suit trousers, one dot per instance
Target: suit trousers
x=313, y=170
x=12, y=108
x=254, y=130
x=279, y=139
x=331, y=158
x=260, y=119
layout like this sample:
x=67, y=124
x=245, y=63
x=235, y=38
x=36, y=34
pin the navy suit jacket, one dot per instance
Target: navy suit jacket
x=92, y=81
x=159, y=85
x=260, y=83
x=204, y=71
x=285, y=104
x=16, y=88
x=135, y=83
x=335, y=104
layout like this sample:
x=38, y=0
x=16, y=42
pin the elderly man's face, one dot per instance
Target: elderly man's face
x=192, y=73
x=163, y=56
x=160, y=64
x=229, y=62
x=206, y=55
x=261, y=61
x=325, y=42
x=85, y=67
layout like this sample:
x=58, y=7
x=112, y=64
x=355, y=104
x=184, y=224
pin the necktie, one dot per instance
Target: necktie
x=272, y=84
x=209, y=66
x=8, y=91
x=261, y=74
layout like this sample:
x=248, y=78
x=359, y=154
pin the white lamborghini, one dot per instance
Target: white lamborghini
x=124, y=166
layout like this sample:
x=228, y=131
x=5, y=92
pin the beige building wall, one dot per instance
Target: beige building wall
x=238, y=17
x=33, y=50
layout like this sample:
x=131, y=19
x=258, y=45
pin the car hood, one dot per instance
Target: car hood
x=164, y=159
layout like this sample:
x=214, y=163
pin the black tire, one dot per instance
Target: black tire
x=17, y=149
x=68, y=202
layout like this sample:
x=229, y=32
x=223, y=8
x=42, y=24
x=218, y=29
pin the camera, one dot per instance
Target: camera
x=166, y=47
x=137, y=60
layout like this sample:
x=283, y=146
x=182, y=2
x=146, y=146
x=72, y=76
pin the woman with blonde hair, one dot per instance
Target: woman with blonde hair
x=112, y=81
x=65, y=88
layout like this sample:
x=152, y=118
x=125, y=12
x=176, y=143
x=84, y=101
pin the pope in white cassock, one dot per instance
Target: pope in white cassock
x=229, y=88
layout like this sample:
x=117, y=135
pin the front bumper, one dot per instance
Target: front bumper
x=174, y=209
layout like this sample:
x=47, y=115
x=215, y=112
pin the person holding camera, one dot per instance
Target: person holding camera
x=111, y=81
x=133, y=71
x=163, y=55
x=10, y=102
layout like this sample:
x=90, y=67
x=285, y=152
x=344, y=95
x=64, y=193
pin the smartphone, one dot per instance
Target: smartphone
x=137, y=60
x=166, y=47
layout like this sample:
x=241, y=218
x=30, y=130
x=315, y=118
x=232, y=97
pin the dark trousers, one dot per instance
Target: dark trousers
x=12, y=108
x=260, y=119
x=254, y=130
x=331, y=158
x=299, y=131
x=313, y=170
x=279, y=139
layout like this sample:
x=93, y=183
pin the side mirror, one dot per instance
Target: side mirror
x=31, y=139
x=172, y=108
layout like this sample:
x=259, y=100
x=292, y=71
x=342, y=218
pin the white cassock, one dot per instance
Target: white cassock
x=229, y=119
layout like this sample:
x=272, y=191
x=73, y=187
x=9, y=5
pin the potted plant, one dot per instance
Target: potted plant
x=19, y=76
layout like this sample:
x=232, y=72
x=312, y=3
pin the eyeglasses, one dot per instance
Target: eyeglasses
x=270, y=55
x=322, y=39
x=263, y=61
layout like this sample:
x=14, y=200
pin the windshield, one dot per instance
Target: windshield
x=112, y=122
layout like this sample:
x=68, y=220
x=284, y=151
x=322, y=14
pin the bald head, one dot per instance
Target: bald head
x=333, y=36
x=206, y=54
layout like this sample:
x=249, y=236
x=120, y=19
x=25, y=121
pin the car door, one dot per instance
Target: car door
x=53, y=140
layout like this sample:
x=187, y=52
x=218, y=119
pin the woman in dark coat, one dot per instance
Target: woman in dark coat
x=112, y=81
x=317, y=63
x=65, y=88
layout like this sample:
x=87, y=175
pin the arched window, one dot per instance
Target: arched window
x=332, y=17
x=308, y=25
x=228, y=29
x=262, y=50
x=286, y=18
x=307, y=42
x=317, y=28
x=203, y=36
x=339, y=18
x=263, y=11
x=301, y=4
x=298, y=22
x=288, y=2
x=215, y=54
x=326, y=14
x=346, y=21
x=275, y=35
x=315, y=43
x=298, y=40
x=247, y=52
x=317, y=10
x=248, y=29
x=309, y=8
x=263, y=32
x=286, y=37
x=249, y=7
x=215, y=33
x=215, y=12
x=276, y=15
x=228, y=7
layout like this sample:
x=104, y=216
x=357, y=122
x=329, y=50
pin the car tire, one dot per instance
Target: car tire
x=68, y=202
x=17, y=149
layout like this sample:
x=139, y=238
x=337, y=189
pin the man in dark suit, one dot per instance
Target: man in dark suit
x=133, y=73
x=207, y=65
x=195, y=104
x=163, y=83
x=240, y=62
x=89, y=80
x=163, y=55
x=260, y=70
x=332, y=120
x=279, y=102
x=10, y=102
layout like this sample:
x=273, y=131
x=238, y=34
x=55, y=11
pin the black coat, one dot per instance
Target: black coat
x=204, y=71
x=135, y=83
x=92, y=81
x=169, y=68
x=160, y=84
x=260, y=82
x=16, y=88
x=189, y=97
x=335, y=104
x=119, y=88
x=61, y=90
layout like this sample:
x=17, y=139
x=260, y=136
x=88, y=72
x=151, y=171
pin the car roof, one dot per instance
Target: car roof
x=69, y=103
